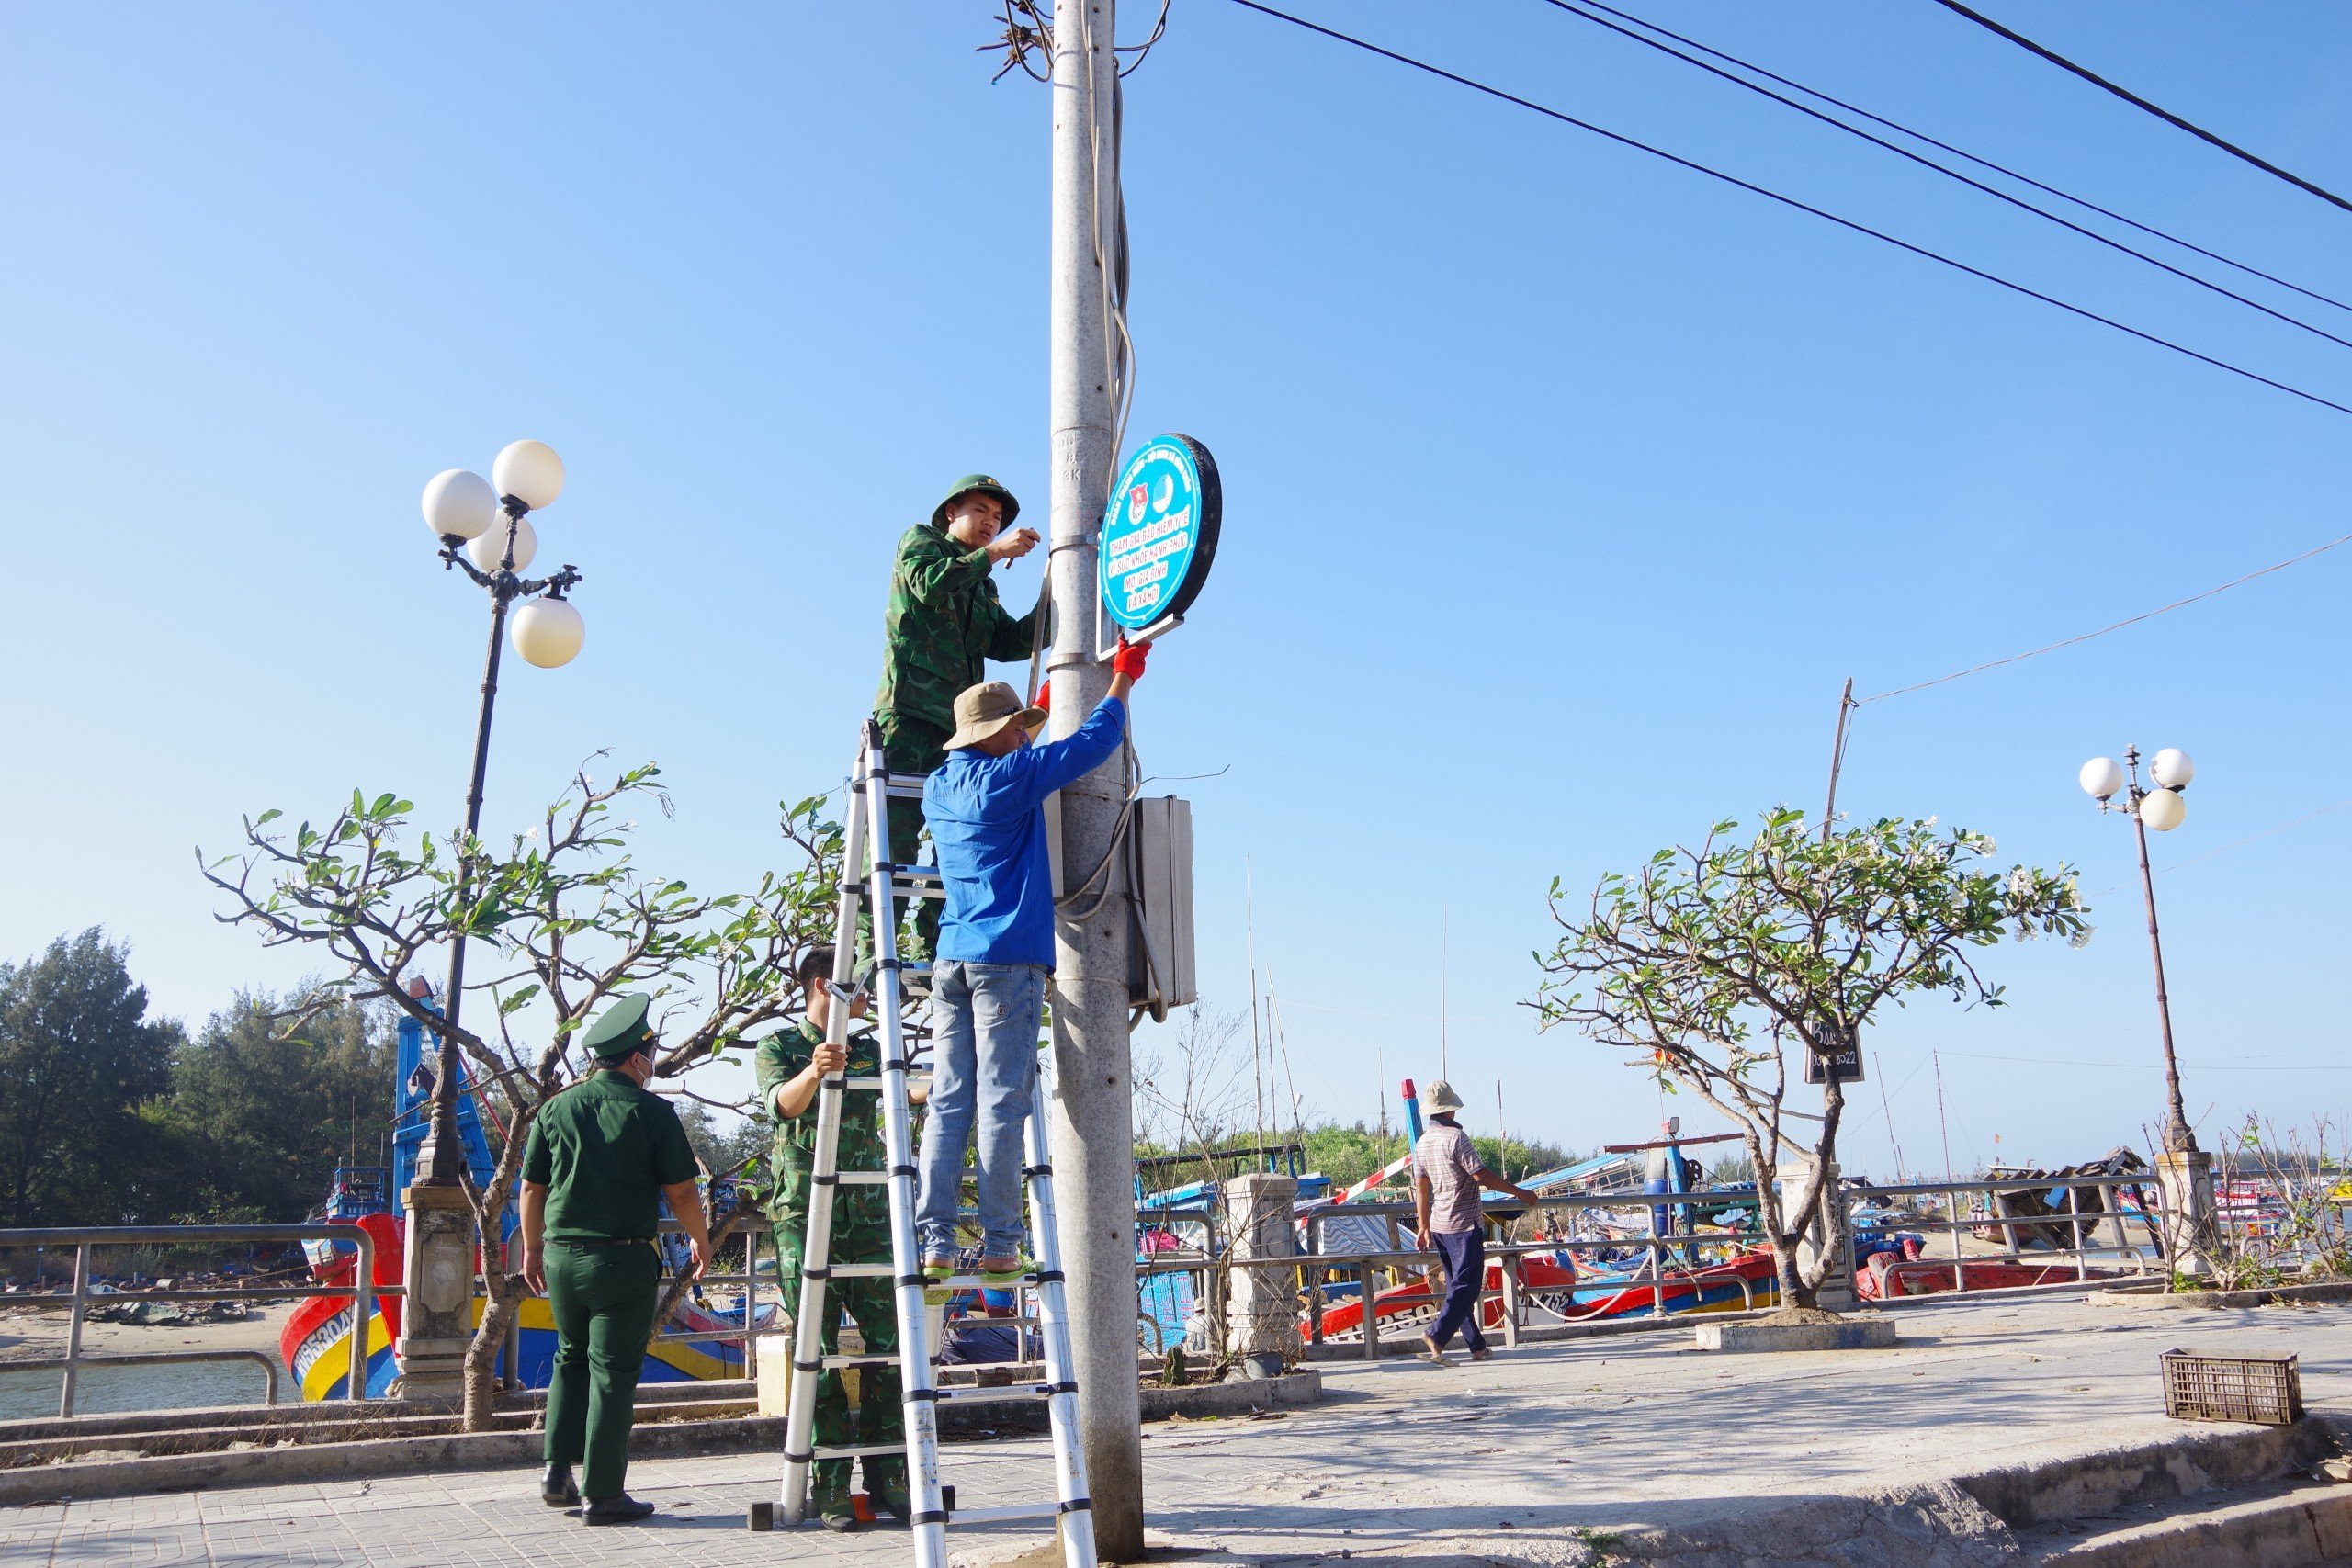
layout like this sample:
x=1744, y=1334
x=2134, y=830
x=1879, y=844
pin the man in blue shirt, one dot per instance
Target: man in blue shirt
x=985, y=810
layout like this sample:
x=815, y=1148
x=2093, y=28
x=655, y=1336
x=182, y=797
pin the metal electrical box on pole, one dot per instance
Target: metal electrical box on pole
x=1160, y=958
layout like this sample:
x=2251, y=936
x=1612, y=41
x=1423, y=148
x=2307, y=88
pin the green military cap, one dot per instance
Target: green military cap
x=620, y=1032
x=986, y=486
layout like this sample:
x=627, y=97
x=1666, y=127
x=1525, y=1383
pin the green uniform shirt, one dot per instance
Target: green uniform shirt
x=786, y=1055
x=943, y=626
x=604, y=1149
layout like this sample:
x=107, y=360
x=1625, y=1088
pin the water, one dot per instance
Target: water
x=112, y=1389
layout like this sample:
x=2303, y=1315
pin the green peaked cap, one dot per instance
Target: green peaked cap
x=986, y=486
x=616, y=1033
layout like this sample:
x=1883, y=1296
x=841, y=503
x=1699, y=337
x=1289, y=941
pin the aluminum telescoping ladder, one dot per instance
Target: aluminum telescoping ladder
x=878, y=890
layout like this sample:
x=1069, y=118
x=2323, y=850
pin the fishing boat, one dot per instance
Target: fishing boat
x=317, y=1339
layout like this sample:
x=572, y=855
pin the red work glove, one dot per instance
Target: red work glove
x=1129, y=660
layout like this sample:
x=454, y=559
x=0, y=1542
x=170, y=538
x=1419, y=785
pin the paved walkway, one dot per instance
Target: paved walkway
x=1534, y=1456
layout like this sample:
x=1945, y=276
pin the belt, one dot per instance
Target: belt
x=607, y=1241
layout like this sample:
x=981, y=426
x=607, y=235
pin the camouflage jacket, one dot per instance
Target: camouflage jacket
x=785, y=1056
x=943, y=625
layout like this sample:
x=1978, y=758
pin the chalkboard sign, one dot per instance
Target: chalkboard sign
x=1845, y=1061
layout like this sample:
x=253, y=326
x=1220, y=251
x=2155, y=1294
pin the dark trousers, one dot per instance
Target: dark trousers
x=1466, y=1269
x=603, y=1300
x=880, y=1415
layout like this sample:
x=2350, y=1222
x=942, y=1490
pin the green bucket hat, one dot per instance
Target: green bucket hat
x=986, y=485
x=620, y=1032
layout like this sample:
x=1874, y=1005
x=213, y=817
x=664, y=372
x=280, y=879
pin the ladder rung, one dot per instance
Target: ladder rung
x=856, y=1451
x=861, y=1177
x=875, y=1085
x=874, y=1361
x=864, y=1271
x=904, y=786
x=901, y=892
x=998, y=1396
x=971, y=1282
x=1003, y=1513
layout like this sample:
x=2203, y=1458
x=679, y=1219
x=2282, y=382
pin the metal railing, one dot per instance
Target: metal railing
x=1669, y=1268
x=2072, y=1236
x=363, y=1291
x=751, y=1227
x=2092, y=1242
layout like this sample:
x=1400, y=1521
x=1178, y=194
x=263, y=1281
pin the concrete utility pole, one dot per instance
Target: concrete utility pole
x=1093, y=1109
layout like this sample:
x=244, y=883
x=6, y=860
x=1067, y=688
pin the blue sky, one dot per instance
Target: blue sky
x=1563, y=488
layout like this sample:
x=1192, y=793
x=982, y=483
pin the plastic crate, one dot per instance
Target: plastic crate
x=2266, y=1390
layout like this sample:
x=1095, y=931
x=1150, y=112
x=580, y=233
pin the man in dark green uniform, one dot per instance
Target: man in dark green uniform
x=943, y=625
x=793, y=1062
x=600, y=1153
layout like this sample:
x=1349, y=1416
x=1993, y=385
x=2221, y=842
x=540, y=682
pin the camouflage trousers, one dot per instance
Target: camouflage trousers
x=879, y=1418
x=912, y=746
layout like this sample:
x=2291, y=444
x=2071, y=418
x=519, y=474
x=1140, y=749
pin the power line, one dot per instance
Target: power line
x=1948, y=173
x=1751, y=187
x=2270, y=832
x=2116, y=626
x=1982, y=163
x=2134, y=99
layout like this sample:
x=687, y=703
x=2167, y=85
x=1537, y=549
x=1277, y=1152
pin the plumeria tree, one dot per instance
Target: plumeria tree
x=1714, y=964
x=571, y=920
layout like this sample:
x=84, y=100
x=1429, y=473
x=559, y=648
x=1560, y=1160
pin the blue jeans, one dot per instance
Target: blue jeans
x=1466, y=1270
x=984, y=1061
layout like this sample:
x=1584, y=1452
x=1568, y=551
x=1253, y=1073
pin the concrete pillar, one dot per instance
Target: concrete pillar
x=437, y=1323
x=774, y=1380
x=2186, y=1177
x=1836, y=1294
x=1261, y=1304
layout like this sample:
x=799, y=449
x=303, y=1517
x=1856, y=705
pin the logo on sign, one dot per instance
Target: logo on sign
x=1134, y=502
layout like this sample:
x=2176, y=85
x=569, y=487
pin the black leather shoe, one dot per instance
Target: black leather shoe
x=621, y=1510
x=557, y=1489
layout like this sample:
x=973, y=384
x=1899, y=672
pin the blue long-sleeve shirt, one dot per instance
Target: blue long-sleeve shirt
x=988, y=823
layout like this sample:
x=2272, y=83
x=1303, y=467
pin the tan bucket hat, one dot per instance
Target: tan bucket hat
x=985, y=709
x=1440, y=1096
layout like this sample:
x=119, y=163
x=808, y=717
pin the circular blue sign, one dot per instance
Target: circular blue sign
x=1160, y=532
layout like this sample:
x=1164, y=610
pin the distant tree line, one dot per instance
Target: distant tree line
x=108, y=1116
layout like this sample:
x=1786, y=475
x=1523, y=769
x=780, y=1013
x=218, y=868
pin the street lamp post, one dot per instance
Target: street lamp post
x=2186, y=1171
x=485, y=531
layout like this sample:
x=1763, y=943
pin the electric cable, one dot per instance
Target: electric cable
x=2134, y=99
x=1749, y=186
x=2002, y=169
x=1948, y=173
x=2116, y=627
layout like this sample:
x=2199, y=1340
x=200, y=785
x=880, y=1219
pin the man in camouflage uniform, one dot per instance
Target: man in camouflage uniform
x=943, y=625
x=793, y=1062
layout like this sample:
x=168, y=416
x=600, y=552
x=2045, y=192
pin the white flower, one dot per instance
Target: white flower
x=2080, y=938
x=2020, y=882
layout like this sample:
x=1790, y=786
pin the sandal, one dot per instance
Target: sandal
x=1000, y=1273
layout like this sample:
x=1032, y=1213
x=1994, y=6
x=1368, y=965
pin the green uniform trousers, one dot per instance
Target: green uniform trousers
x=880, y=1418
x=913, y=746
x=603, y=1300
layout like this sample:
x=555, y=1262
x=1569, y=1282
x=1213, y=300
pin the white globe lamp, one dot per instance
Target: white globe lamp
x=460, y=504
x=2102, y=777
x=547, y=632
x=489, y=549
x=530, y=472
x=2171, y=768
x=2163, y=810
